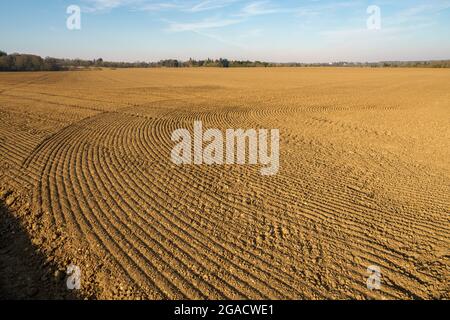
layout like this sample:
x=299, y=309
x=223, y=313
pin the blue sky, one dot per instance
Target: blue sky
x=284, y=31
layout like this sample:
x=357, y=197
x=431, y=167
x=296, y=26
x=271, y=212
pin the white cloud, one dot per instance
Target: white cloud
x=418, y=14
x=159, y=6
x=152, y=5
x=102, y=5
x=210, y=5
x=202, y=25
x=353, y=34
x=258, y=8
x=318, y=9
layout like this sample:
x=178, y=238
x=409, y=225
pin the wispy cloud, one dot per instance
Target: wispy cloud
x=398, y=23
x=420, y=13
x=152, y=5
x=201, y=25
x=364, y=33
x=207, y=5
x=159, y=6
x=248, y=8
x=103, y=5
x=210, y=18
x=318, y=8
x=206, y=26
x=258, y=8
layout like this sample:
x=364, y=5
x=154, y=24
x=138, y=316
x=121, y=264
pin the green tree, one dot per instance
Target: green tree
x=224, y=63
x=51, y=64
x=6, y=63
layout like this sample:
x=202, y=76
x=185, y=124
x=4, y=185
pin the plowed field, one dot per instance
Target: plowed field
x=364, y=180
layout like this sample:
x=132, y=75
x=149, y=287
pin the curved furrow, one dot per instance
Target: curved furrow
x=166, y=230
x=394, y=264
x=96, y=229
x=125, y=170
x=130, y=212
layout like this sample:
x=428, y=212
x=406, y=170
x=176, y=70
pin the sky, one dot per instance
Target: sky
x=265, y=30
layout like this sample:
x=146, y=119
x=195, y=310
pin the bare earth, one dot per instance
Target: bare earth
x=364, y=180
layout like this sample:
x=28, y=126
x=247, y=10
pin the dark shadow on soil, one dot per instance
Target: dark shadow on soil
x=25, y=273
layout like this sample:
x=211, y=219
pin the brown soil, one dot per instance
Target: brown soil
x=86, y=178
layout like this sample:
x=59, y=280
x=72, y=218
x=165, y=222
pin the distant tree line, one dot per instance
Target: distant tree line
x=224, y=63
x=29, y=62
x=387, y=64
